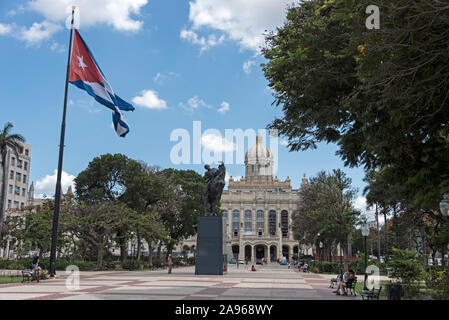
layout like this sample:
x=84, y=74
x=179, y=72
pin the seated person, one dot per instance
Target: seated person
x=35, y=266
x=346, y=282
x=253, y=268
x=306, y=267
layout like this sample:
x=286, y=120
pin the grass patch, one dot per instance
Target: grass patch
x=10, y=279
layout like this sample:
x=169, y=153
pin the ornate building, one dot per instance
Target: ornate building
x=257, y=211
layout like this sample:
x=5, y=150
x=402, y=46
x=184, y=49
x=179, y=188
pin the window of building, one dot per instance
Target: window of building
x=25, y=165
x=23, y=192
x=9, y=204
x=284, y=223
x=235, y=222
x=17, y=191
x=260, y=221
x=225, y=214
x=19, y=163
x=258, y=170
x=22, y=205
x=13, y=161
x=248, y=220
x=252, y=169
x=16, y=204
x=11, y=174
x=272, y=222
x=24, y=178
x=10, y=188
x=27, y=152
x=18, y=176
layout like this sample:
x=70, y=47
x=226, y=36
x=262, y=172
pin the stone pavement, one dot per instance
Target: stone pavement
x=269, y=282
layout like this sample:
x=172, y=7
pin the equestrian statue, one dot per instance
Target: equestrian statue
x=215, y=179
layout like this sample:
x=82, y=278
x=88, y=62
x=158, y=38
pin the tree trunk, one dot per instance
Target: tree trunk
x=378, y=235
x=150, y=253
x=100, y=254
x=139, y=242
x=386, y=231
x=123, y=248
x=159, y=247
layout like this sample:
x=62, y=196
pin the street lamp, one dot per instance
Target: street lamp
x=320, y=246
x=365, y=234
x=444, y=207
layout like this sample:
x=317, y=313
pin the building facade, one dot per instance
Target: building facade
x=18, y=175
x=257, y=211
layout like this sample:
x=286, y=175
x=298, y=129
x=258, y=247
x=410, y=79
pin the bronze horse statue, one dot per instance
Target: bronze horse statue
x=215, y=183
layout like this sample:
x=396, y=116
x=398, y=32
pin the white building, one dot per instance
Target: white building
x=257, y=211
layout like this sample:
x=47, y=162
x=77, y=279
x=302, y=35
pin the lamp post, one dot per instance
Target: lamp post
x=365, y=234
x=444, y=208
x=320, y=246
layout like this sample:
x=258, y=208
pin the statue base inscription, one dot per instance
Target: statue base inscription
x=209, y=246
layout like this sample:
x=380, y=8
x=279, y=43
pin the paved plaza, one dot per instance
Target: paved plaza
x=269, y=282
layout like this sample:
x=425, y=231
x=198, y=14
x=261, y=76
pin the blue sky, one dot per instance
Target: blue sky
x=176, y=61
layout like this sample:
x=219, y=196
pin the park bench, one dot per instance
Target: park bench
x=27, y=274
x=334, y=281
x=373, y=294
x=350, y=290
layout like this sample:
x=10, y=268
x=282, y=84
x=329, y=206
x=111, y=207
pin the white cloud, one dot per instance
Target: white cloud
x=161, y=77
x=57, y=47
x=194, y=103
x=247, y=66
x=39, y=32
x=150, y=100
x=224, y=107
x=360, y=204
x=47, y=185
x=5, y=28
x=283, y=142
x=216, y=143
x=117, y=13
x=205, y=44
x=241, y=21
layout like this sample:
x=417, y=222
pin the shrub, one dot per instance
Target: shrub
x=406, y=267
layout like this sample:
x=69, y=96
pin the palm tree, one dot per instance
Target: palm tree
x=11, y=141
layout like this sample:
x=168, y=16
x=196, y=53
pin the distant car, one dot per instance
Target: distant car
x=241, y=261
x=232, y=261
x=259, y=261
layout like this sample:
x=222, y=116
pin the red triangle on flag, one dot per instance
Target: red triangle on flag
x=82, y=65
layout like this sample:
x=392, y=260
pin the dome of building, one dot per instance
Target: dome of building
x=258, y=153
x=259, y=159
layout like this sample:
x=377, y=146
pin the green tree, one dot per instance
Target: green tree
x=103, y=181
x=326, y=208
x=180, y=214
x=8, y=141
x=381, y=95
x=96, y=223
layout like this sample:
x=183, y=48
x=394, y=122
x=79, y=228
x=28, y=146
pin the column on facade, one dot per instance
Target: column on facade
x=265, y=221
x=279, y=232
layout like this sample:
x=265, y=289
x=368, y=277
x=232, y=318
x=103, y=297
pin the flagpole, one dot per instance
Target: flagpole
x=54, y=234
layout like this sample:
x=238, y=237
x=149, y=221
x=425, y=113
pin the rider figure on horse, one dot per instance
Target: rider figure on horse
x=215, y=184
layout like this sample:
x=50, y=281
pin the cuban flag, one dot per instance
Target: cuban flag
x=85, y=73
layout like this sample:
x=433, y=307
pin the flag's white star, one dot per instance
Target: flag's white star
x=81, y=63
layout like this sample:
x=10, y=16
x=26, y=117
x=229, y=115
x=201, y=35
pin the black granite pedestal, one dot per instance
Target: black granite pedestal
x=209, y=246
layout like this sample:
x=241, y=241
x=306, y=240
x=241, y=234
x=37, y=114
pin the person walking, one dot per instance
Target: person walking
x=170, y=263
